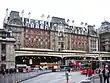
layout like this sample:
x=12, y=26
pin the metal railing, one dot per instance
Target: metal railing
x=93, y=79
x=19, y=77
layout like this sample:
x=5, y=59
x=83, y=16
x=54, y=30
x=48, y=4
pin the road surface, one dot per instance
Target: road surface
x=57, y=77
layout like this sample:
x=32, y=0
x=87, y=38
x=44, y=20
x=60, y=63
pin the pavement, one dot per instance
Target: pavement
x=98, y=81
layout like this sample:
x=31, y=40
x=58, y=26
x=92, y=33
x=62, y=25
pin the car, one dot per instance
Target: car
x=64, y=68
x=83, y=71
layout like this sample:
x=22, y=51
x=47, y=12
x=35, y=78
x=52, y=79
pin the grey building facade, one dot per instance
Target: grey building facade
x=14, y=24
x=104, y=34
x=93, y=38
x=7, y=51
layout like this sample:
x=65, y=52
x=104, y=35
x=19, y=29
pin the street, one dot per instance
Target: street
x=56, y=77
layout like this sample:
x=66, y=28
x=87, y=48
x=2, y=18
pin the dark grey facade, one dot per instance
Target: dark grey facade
x=104, y=33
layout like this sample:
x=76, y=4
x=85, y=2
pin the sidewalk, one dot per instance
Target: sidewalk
x=98, y=81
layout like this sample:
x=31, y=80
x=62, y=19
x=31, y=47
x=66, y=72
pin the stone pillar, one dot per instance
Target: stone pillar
x=96, y=44
x=70, y=42
x=10, y=56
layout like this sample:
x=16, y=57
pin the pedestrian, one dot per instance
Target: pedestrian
x=3, y=71
x=106, y=74
x=68, y=70
x=67, y=76
x=100, y=74
x=86, y=72
x=90, y=72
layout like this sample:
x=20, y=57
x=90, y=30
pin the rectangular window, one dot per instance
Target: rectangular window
x=26, y=42
x=3, y=52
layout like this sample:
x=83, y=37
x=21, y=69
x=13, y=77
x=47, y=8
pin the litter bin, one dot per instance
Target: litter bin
x=85, y=81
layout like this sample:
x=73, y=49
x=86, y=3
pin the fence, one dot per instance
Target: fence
x=18, y=77
x=93, y=79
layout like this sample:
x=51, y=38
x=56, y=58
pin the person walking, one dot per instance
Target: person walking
x=100, y=74
x=86, y=72
x=90, y=72
x=67, y=76
x=106, y=74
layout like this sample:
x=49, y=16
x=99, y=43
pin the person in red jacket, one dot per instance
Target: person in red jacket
x=90, y=72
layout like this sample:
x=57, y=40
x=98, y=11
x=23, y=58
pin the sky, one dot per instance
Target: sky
x=87, y=11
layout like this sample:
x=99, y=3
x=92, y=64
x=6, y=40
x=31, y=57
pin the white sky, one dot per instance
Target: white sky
x=90, y=11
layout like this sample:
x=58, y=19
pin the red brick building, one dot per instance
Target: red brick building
x=80, y=42
x=36, y=38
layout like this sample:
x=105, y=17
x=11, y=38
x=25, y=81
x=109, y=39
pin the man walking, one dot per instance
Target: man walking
x=100, y=74
x=67, y=76
x=106, y=74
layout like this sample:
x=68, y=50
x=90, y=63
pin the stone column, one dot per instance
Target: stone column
x=10, y=56
x=22, y=38
x=96, y=44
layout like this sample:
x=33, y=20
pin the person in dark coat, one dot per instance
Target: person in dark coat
x=3, y=71
x=100, y=74
x=106, y=74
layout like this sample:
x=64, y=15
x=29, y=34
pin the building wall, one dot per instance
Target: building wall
x=18, y=33
x=7, y=50
x=0, y=54
x=105, y=42
x=93, y=43
x=33, y=33
x=104, y=33
x=81, y=42
x=36, y=38
x=54, y=40
x=15, y=25
x=67, y=41
x=10, y=56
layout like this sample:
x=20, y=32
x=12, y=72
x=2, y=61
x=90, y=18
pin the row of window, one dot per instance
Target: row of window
x=37, y=32
x=39, y=43
x=93, y=46
x=36, y=37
